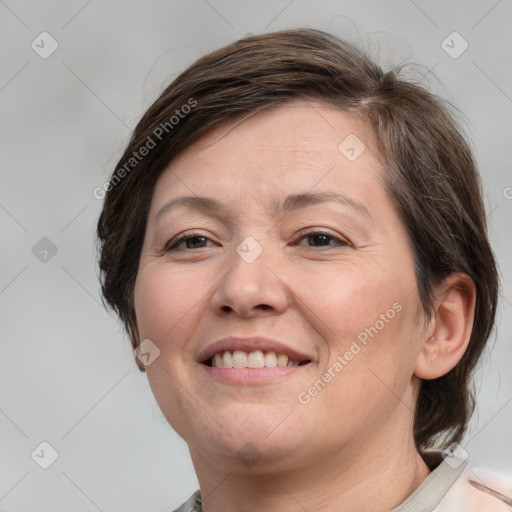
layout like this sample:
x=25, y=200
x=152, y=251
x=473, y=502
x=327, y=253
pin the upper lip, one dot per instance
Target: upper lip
x=250, y=344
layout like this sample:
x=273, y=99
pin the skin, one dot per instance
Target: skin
x=351, y=447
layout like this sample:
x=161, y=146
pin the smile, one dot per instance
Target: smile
x=251, y=360
x=254, y=359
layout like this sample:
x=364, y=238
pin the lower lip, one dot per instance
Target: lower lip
x=251, y=375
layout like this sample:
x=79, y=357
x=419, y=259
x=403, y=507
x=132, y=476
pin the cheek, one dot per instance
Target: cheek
x=349, y=303
x=365, y=317
x=165, y=305
x=163, y=302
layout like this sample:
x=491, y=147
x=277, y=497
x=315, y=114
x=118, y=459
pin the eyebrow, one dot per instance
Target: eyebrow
x=293, y=202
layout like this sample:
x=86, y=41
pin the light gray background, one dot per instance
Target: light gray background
x=67, y=374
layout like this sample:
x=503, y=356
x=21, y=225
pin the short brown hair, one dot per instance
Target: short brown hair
x=431, y=176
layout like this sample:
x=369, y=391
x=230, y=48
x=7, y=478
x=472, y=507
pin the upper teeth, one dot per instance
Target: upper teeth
x=256, y=359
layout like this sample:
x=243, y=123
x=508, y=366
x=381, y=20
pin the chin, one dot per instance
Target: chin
x=248, y=435
x=259, y=455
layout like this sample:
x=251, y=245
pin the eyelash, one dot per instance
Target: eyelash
x=172, y=246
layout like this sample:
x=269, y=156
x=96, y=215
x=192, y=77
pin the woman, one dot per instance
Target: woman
x=296, y=244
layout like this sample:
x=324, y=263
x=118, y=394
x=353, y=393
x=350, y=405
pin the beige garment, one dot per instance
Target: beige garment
x=448, y=488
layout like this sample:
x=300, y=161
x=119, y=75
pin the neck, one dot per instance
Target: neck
x=342, y=481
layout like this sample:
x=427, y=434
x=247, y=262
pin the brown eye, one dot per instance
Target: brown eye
x=193, y=241
x=322, y=239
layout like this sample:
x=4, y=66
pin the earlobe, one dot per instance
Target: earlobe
x=136, y=340
x=449, y=331
x=140, y=365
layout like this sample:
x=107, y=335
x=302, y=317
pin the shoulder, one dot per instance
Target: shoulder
x=478, y=490
x=454, y=485
x=472, y=489
x=193, y=504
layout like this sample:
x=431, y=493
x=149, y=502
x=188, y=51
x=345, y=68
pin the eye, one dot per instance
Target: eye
x=198, y=241
x=322, y=239
x=191, y=241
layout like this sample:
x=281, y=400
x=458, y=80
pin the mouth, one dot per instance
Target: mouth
x=251, y=360
x=254, y=359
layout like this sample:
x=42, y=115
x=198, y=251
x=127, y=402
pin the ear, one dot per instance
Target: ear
x=135, y=339
x=140, y=365
x=449, y=330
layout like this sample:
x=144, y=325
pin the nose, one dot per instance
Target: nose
x=250, y=288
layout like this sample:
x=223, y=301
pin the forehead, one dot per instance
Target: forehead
x=294, y=148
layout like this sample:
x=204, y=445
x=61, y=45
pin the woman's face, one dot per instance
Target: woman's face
x=303, y=248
